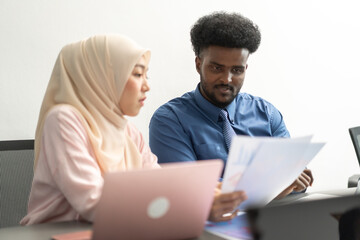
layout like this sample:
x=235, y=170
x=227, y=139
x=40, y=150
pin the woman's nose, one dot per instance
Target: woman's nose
x=145, y=85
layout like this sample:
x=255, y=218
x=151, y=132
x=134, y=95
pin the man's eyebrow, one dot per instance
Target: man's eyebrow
x=220, y=65
x=239, y=66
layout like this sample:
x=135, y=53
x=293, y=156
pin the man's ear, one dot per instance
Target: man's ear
x=198, y=64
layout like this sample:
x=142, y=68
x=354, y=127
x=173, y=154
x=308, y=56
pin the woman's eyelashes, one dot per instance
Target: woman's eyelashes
x=137, y=75
x=140, y=75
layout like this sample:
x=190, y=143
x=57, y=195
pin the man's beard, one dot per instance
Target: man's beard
x=212, y=97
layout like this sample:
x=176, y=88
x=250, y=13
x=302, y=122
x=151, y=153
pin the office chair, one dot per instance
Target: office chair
x=355, y=138
x=16, y=174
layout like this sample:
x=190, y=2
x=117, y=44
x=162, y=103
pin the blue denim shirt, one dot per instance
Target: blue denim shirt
x=188, y=128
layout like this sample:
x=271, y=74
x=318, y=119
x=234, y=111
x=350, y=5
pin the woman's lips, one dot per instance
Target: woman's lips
x=142, y=101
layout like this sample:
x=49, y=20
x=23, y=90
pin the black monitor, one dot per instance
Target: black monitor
x=316, y=219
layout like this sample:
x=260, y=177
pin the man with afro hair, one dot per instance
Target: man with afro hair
x=197, y=125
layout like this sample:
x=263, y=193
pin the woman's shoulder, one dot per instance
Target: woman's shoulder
x=63, y=112
x=134, y=132
x=64, y=124
x=64, y=116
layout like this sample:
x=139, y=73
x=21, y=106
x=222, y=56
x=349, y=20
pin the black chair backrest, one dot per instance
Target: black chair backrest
x=16, y=145
x=355, y=137
x=16, y=174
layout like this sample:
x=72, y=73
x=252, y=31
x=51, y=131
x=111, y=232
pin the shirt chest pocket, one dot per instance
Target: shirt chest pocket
x=210, y=151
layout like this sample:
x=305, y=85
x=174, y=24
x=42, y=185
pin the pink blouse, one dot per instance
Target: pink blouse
x=67, y=182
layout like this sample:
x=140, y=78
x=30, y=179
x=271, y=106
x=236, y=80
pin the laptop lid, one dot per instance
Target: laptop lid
x=172, y=202
x=316, y=219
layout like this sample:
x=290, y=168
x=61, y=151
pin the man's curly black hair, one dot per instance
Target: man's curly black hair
x=223, y=29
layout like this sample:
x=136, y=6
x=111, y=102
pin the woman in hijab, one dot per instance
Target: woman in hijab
x=82, y=132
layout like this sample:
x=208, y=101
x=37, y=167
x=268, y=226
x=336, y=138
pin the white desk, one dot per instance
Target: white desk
x=304, y=216
x=46, y=230
x=302, y=197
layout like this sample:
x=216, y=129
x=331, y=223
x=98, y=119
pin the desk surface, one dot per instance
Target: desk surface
x=46, y=230
x=303, y=197
x=304, y=216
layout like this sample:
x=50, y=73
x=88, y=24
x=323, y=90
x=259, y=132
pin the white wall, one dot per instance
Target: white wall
x=307, y=64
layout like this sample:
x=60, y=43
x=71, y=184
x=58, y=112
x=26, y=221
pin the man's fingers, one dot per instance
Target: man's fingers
x=224, y=206
x=228, y=217
x=302, y=182
x=305, y=179
x=299, y=186
x=309, y=173
x=218, y=216
x=231, y=197
x=305, y=176
x=227, y=206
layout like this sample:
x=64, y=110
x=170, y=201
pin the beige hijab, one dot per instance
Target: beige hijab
x=90, y=75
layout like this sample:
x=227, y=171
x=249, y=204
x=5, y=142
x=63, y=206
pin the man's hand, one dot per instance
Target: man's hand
x=225, y=203
x=304, y=180
x=300, y=184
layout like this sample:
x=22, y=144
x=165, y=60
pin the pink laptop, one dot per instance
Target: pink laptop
x=172, y=202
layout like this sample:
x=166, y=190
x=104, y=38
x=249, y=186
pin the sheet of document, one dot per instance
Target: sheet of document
x=263, y=167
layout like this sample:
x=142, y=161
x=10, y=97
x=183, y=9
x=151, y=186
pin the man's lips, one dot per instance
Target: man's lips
x=224, y=88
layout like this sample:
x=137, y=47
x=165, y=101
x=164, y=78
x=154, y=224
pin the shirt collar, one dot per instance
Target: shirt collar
x=210, y=109
x=231, y=110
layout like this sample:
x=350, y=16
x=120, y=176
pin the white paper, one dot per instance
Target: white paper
x=263, y=167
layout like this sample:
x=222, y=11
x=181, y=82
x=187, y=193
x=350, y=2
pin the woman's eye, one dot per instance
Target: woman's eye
x=138, y=75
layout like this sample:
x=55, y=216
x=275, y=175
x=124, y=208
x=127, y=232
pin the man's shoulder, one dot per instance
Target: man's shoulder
x=250, y=101
x=248, y=96
x=178, y=104
x=242, y=96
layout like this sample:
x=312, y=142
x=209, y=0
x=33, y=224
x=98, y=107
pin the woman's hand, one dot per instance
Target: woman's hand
x=225, y=204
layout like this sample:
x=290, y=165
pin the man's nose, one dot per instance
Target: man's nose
x=227, y=77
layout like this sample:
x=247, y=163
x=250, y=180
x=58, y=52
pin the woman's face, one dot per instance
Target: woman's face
x=133, y=96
